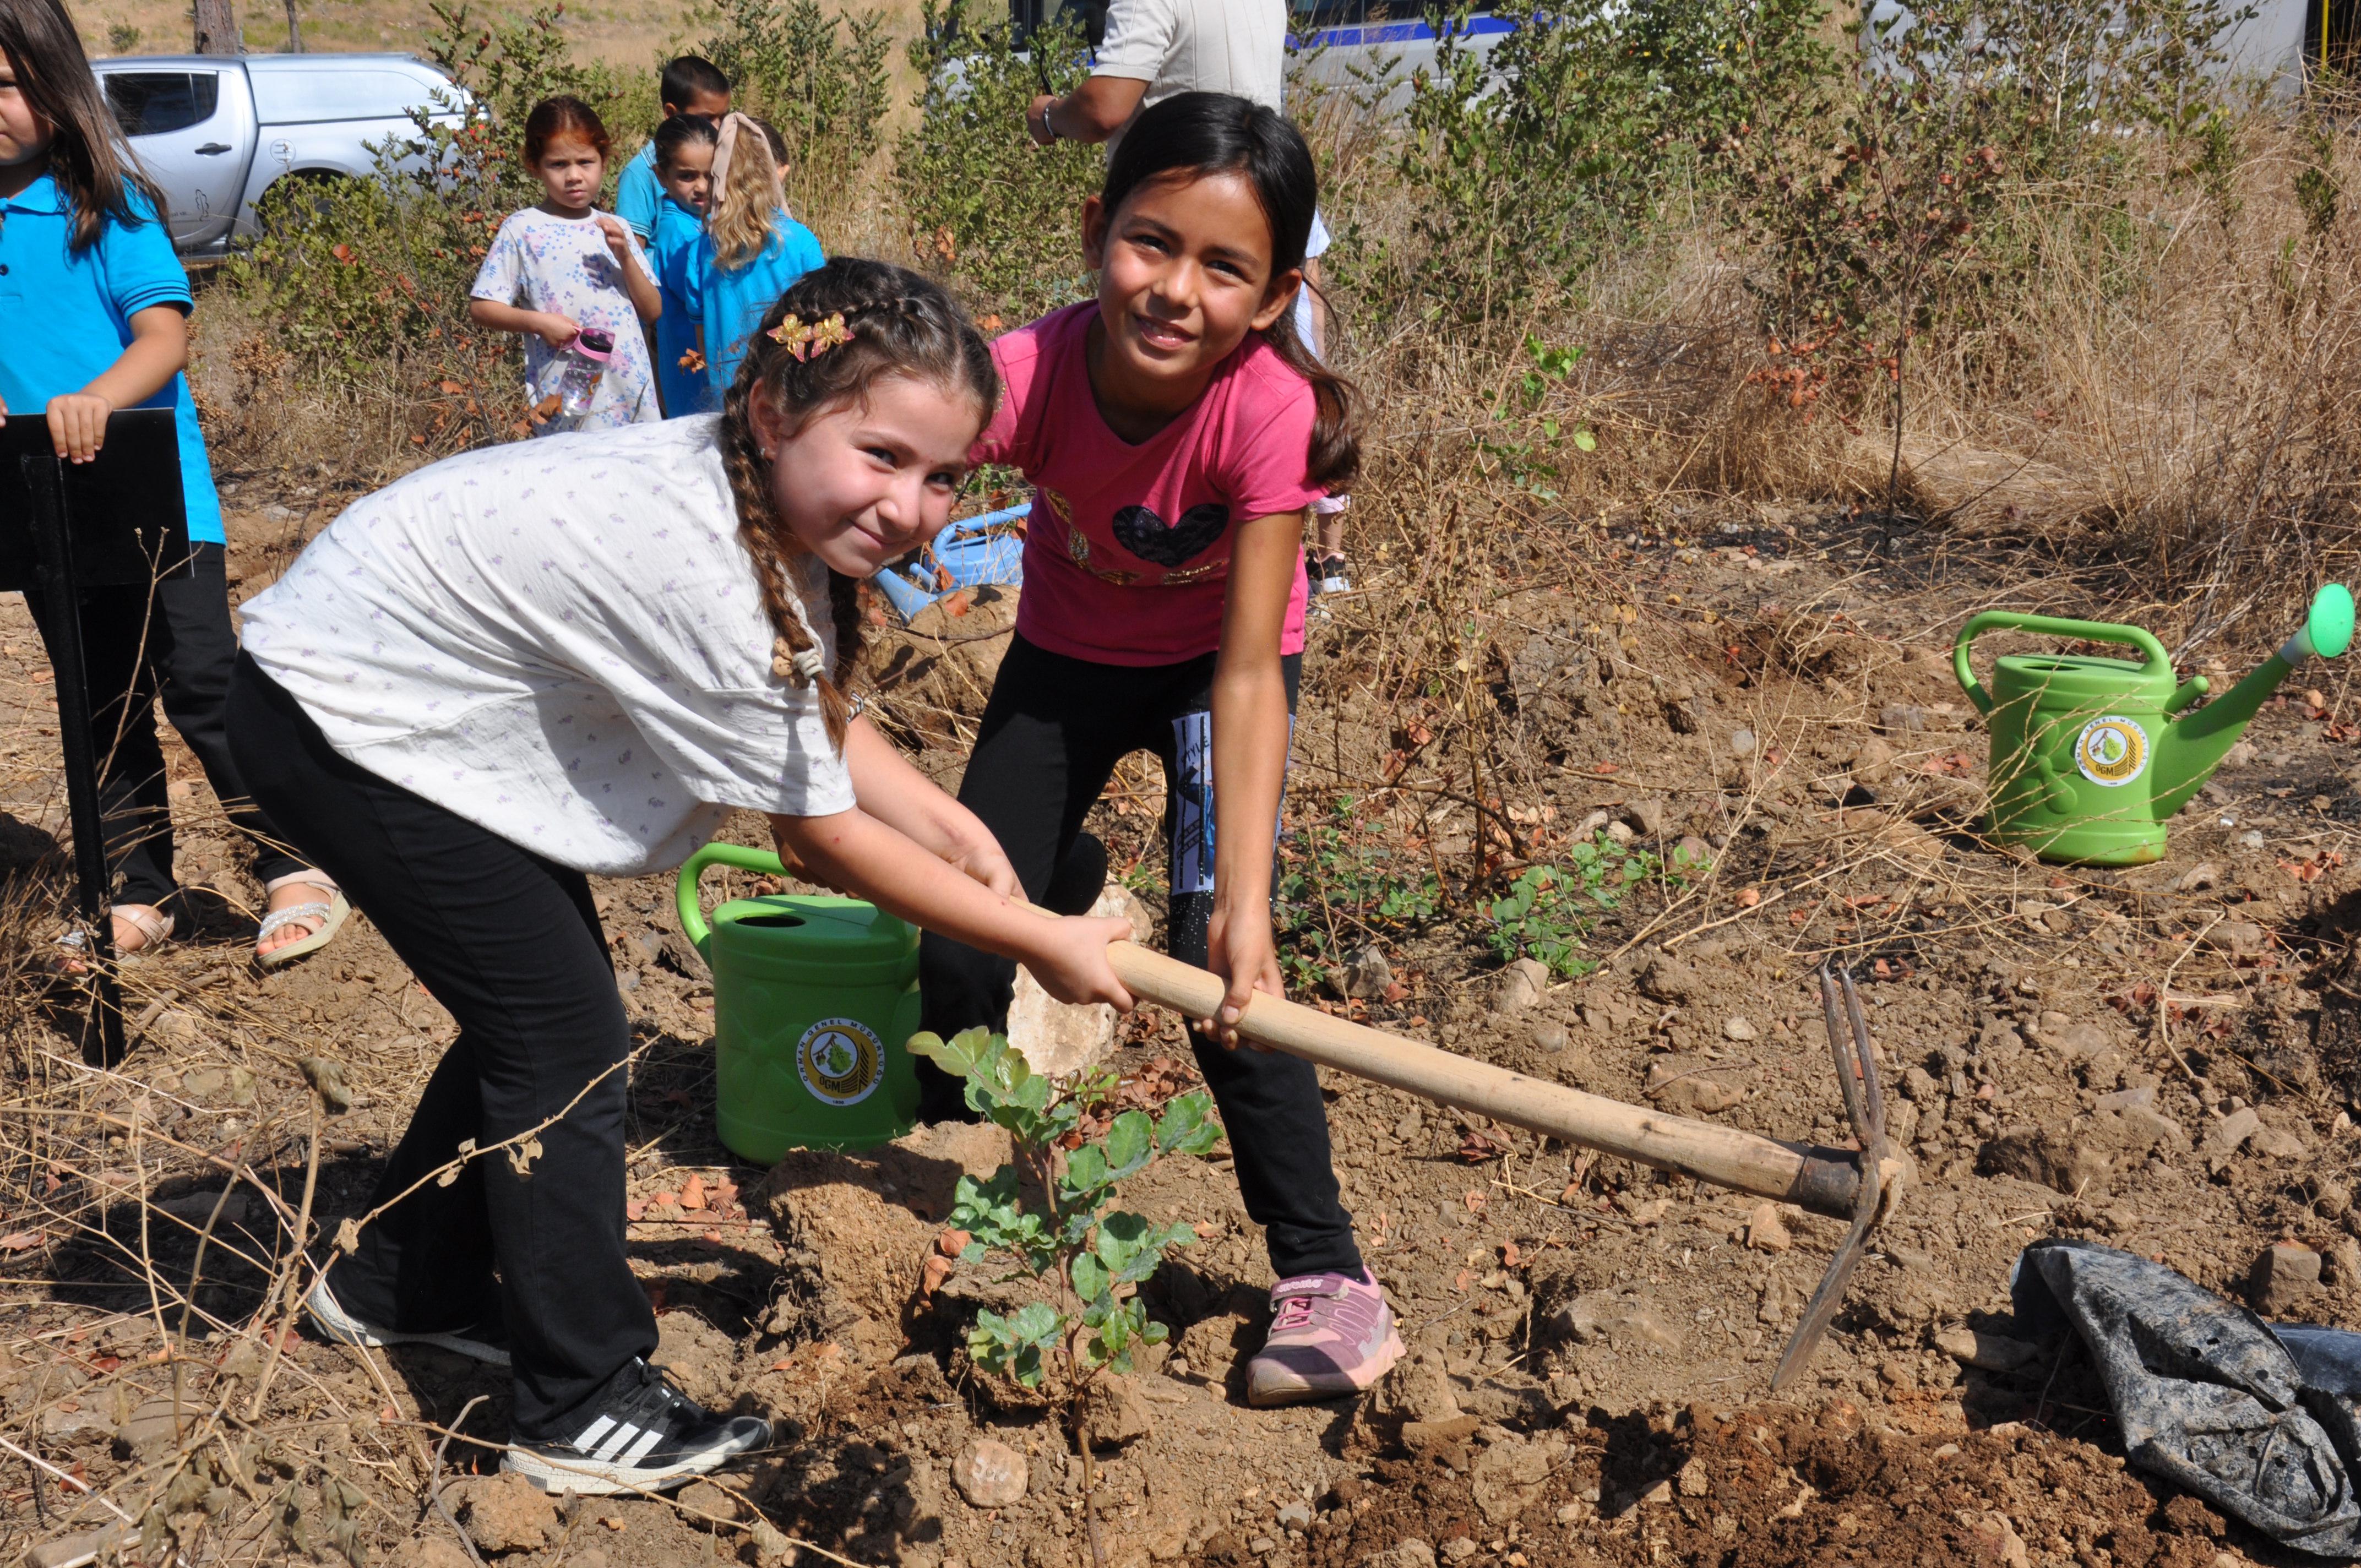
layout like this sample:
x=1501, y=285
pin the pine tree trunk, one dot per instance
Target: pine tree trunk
x=295, y=32
x=217, y=28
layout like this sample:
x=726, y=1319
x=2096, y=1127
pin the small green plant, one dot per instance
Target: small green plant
x=1527, y=452
x=122, y=37
x=1549, y=910
x=1095, y=1258
x=1339, y=886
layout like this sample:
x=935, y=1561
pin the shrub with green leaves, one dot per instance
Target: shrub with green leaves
x=990, y=211
x=820, y=78
x=1094, y=1259
x=1912, y=218
x=1524, y=159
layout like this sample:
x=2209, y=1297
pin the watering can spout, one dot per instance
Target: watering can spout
x=2194, y=745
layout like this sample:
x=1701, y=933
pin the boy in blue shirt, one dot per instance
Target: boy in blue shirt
x=688, y=85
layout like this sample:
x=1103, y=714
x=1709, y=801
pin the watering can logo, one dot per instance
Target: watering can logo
x=2091, y=757
x=2111, y=751
x=840, y=1061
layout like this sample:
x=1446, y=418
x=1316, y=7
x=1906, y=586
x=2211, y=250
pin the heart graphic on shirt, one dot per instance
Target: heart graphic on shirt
x=1150, y=538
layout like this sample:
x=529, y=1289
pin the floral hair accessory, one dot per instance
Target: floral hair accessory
x=804, y=340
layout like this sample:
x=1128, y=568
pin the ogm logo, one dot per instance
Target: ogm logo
x=839, y=1061
x=2111, y=751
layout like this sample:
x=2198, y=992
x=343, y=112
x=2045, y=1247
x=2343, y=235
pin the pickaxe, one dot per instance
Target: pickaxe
x=1859, y=1184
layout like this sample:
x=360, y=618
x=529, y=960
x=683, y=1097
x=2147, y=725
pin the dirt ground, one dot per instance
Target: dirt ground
x=2157, y=1058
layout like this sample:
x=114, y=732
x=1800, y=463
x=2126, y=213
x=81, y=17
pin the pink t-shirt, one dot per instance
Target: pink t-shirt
x=1128, y=549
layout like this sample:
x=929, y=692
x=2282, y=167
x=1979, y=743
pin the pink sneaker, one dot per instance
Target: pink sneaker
x=1330, y=1334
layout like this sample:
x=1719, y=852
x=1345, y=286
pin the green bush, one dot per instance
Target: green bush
x=821, y=79
x=1971, y=128
x=988, y=210
x=1580, y=124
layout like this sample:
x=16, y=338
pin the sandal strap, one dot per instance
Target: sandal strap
x=318, y=879
x=153, y=924
x=291, y=915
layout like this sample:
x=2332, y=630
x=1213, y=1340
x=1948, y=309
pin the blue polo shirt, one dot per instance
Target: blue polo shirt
x=730, y=302
x=636, y=193
x=65, y=319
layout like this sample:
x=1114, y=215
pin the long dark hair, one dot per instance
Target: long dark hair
x=902, y=325
x=89, y=160
x=1197, y=134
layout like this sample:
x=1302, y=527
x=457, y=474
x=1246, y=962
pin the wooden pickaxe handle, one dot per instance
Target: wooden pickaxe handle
x=1822, y=1180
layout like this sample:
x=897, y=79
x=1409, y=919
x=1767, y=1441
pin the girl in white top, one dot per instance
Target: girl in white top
x=579, y=269
x=547, y=659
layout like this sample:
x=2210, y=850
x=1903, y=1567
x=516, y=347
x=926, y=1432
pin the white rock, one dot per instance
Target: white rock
x=1735, y=1027
x=1520, y=985
x=990, y=1475
x=1055, y=1036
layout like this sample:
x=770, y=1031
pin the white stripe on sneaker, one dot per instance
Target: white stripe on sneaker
x=594, y=1432
x=638, y=1450
x=614, y=1445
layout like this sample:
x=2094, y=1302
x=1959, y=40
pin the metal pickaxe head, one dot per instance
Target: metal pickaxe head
x=1881, y=1174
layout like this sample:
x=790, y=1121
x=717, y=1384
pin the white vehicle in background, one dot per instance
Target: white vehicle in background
x=216, y=132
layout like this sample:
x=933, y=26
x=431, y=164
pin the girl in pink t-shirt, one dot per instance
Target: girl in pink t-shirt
x=1176, y=430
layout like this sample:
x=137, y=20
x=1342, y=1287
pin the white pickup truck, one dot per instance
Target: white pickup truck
x=216, y=132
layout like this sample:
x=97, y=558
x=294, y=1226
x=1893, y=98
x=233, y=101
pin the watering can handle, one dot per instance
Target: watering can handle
x=2159, y=662
x=691, y=917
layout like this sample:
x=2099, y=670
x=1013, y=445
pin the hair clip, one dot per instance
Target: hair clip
x=803, y=341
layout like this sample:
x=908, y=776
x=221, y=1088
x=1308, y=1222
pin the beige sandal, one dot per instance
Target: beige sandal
x=154, y=925
x=329, y=913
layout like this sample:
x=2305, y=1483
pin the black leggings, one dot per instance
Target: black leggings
x=172, y=641
x=1052, y=733
x=510, y=944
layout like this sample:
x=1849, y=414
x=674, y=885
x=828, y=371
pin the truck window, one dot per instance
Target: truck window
x=152, y=103
x=293, y=95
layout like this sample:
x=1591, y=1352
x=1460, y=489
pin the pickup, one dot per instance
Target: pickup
x=216, y=132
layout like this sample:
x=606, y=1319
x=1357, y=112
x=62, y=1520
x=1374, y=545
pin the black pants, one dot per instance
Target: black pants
x=510, y=944
x=1052, y=733
x=172, y=641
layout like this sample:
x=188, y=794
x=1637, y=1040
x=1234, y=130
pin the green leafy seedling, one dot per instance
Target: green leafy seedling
x=1095, y=1257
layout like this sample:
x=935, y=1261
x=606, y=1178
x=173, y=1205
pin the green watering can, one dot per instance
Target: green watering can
x=813, y=998
x=2088, y=762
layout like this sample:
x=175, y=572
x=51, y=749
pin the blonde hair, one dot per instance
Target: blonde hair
x=747, y=198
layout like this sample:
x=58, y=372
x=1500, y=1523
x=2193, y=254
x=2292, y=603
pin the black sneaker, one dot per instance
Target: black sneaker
x=641, y=1435
x=487, y=1342
x=1330, y=575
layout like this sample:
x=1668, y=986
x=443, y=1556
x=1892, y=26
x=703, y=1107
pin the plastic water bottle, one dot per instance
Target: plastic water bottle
x=577, y=387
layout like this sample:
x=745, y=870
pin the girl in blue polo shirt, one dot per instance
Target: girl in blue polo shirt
x=750, y=250
x=94, y=317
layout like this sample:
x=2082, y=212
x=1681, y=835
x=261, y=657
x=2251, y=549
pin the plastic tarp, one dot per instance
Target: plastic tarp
x=2260, y=1419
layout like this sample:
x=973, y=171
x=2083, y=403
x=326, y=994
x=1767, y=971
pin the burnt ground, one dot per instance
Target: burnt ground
x=2158, y=1058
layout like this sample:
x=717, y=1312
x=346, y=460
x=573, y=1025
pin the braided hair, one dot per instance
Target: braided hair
x=901, y=324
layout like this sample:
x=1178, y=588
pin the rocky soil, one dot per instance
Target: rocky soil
x=2160, y=1058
